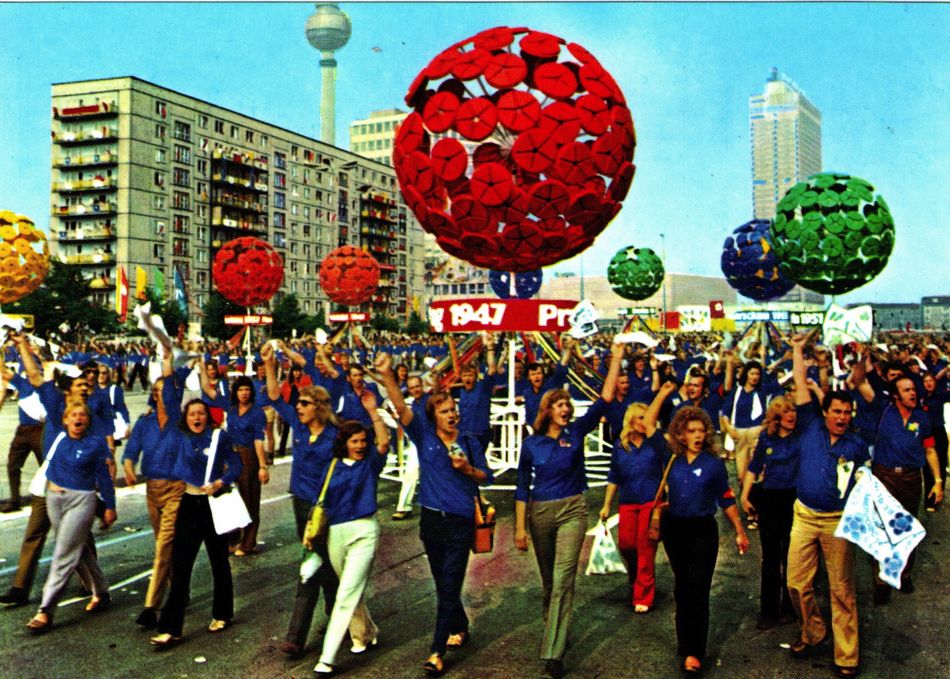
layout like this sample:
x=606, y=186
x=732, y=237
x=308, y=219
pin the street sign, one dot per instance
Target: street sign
x=345, y=317
x=519, y=315
x=248, y=319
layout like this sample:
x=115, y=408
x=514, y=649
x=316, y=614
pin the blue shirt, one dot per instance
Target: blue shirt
x=616, y=410
x=739, y=411
x=244, y=429
x=55, y=404
x=24, y=390
x=80, y=464
x=351, y=494
x=309, y=466
x=532, y=399
x=145, y=440
x=191, y=457
x=778, y=457
x=696, y=488
x=637, y=471
x=475, y=406
x=817, y=481
x=441, y=486
x=349, y=407
x=901, y=444
x=553, y=469
x=641, y=387
x=117, y=402
x=711, y=404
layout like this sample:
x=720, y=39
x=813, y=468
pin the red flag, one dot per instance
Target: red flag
x=716, y=309
x=121, y=294
x=235, y=342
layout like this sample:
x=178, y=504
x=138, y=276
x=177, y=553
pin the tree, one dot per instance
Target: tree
x=213, y=313
x=415, y=325
x=287, y=317
x=384, y=322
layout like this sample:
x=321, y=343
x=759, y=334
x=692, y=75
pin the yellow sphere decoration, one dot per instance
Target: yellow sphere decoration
x=24, y=257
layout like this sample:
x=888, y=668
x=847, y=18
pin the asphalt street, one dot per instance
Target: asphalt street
x=910, y=637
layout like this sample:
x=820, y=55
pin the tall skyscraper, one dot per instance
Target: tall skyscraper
x=786, y=141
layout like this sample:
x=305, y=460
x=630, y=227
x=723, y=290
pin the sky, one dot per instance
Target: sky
x=687, y=71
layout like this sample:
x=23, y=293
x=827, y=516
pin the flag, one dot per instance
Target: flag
x=180, y=296
x=141, y=280
x=235, y=342
x=716, y=309
x=159, y=284
x=121, y=294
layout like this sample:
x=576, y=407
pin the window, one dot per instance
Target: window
x=159, y=179
x=306, y=212
x=248, y=136
x=158, y=251
x=158, y=202
x=219, y=127
x=293, y=247
x=280, y=221
x=202, y=278
x=201, y=233
x=265, y=140
x=279, y=240
x=280, y=180
x=202, y=213
x=182, y=131
x=202, y=257
x=293, y=152
x=181, y=177
x=280, y=161
x=159, y=225
x=280, y=201
x=234, y=132
x=306, y=176
x=159, y=131
x=181, y=200
x=202, y=166
x=160, y=108
x=306, y=192
x=202, y=121
x=202, y=189
x=293, y=209
x=180, y=247
x=180, y=224
x=182, y=154
x=159, y=155
x=306, y=231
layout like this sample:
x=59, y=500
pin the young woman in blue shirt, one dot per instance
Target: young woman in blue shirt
x=550, y=502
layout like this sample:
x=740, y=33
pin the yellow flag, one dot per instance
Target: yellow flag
x=141, y=280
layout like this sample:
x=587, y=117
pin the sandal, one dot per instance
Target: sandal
x=641, y=608
x=98, y=604
x=164, y=641
x=218, y=625
x=323, y=669
x=456, y=641
x=37, y=626
x=692, y=665
x=434, y=666
x=847, y=671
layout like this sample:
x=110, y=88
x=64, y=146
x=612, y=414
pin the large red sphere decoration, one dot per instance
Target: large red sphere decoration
x=535, y=154
x=349, y=275
x=247, y=271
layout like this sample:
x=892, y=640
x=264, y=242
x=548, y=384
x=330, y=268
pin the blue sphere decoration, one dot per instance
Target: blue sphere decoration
x=527, y=284
x=750, y=265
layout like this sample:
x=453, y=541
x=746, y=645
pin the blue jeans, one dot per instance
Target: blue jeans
x=448, y=541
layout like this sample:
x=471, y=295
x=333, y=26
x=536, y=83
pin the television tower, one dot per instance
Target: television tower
x=328, y=29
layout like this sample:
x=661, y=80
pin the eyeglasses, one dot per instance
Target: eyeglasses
x=304, y=402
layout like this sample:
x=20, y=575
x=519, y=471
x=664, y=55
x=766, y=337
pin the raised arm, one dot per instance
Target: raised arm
x=206, y=387
x=609, y=388
x=270, y=371
x=323, y=356
x=383, y=366
x=368, y=399
x=799, y=373
x=33, y=372
x=491, y=368
x=729, y=380
x=295, y=358
x=859, y=380
x=653, y=410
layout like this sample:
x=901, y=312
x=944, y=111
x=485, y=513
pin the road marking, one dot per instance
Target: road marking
x=118, y=585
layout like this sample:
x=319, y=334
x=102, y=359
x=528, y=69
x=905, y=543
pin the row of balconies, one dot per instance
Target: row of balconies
x=92, y=135
x=99, y=109
x=379, y=215
x=90, y=258
x=379, y=233
x=253, y=183
x=96, y=231
x=237, y=222
x=83, y=209
x=380, y=198
x=94, y=184
x=87, y=160
x=249, y=159
x=239, y=202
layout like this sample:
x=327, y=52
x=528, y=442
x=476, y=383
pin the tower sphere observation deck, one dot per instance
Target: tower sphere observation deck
x=328, y=29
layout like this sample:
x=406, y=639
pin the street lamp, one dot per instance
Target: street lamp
x=665, y=272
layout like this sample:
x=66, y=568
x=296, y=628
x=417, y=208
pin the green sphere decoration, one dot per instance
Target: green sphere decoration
x=635, y=273
x=831, y=234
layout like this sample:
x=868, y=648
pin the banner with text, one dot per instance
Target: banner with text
x=520, y=315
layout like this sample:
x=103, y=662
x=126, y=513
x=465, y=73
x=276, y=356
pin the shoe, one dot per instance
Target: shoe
x=752, y=524
x=164, y=641
x=290, y=648
x=148, y=618
x=907, y=586
x=847, y=671
x=323, y=669
x=931, y=509
x=98, y=604
x=36, y=626
x=692, y=666
x=882, y=594
x=14, y=598
x=456, y=641
x=238, y=551
x=358, y=648
x=401, y=516
x=641, y=608
x=553, y=669
x=434, y=666
x=10, y=506
x=218, y=625
x=799, y=649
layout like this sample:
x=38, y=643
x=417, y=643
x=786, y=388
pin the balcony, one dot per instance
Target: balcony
x=100, y=109
x=83, y=185
x=237, y=223
x=380, y=215
x=92, y=210
x=88, y=160
x=246, y=159
x=380, y=198
x=91, y=136
x=86, y=259
x=96, y=231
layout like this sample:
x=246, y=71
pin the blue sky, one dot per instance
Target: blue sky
x=687, y=70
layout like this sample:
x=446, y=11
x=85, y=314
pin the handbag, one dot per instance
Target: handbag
x=484, y=526
x=227, y=508
x=318, y=525
x=656, y=514
x=604, y=556
x=38, y=482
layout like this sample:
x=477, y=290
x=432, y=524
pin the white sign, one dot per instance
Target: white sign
x=694, y=318
x=842, y=326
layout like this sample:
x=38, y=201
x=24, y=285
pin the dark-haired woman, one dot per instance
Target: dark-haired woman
x=354, y=530
x=776, y=461
x=550, y=502
x=697, y=484
x=246, y=424
x=450, y=467
x=192, y=448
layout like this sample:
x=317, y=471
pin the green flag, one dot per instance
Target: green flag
x=159, y=283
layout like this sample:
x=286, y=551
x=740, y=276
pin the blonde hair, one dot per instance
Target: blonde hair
x=321, y=400
x=626, y=434
x=774, y=413
x=681, y=420
x=551, y=397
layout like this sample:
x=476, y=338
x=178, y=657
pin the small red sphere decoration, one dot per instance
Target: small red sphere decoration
x=247, y=271
x=547, y=155
x=349, y=275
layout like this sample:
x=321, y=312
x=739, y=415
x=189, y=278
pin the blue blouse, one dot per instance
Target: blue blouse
x=778, y=457
x=351, y=494
x=244, y=429
x=191, y=457
x=80, y=464
x=637, y=472
x=310, y=460
x=145, y=440
x=696, y=488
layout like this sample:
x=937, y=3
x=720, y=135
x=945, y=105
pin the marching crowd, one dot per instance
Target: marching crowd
x=799, y=420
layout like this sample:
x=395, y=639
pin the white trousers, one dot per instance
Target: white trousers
x=352, y=547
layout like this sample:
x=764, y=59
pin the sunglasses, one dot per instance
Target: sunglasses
x=308, y=402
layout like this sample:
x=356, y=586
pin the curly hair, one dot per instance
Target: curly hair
x=347, y=430
x=551, y=397
x=242, y=381
x=778, y=406
x=677, y=430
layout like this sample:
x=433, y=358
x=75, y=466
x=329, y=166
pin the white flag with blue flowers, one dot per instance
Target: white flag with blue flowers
x=877, y=523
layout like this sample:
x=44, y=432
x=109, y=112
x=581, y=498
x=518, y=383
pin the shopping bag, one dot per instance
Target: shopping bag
x=228, y=511
x=604, y=556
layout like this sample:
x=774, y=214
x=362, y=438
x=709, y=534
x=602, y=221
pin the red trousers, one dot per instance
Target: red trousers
x=637, y=551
